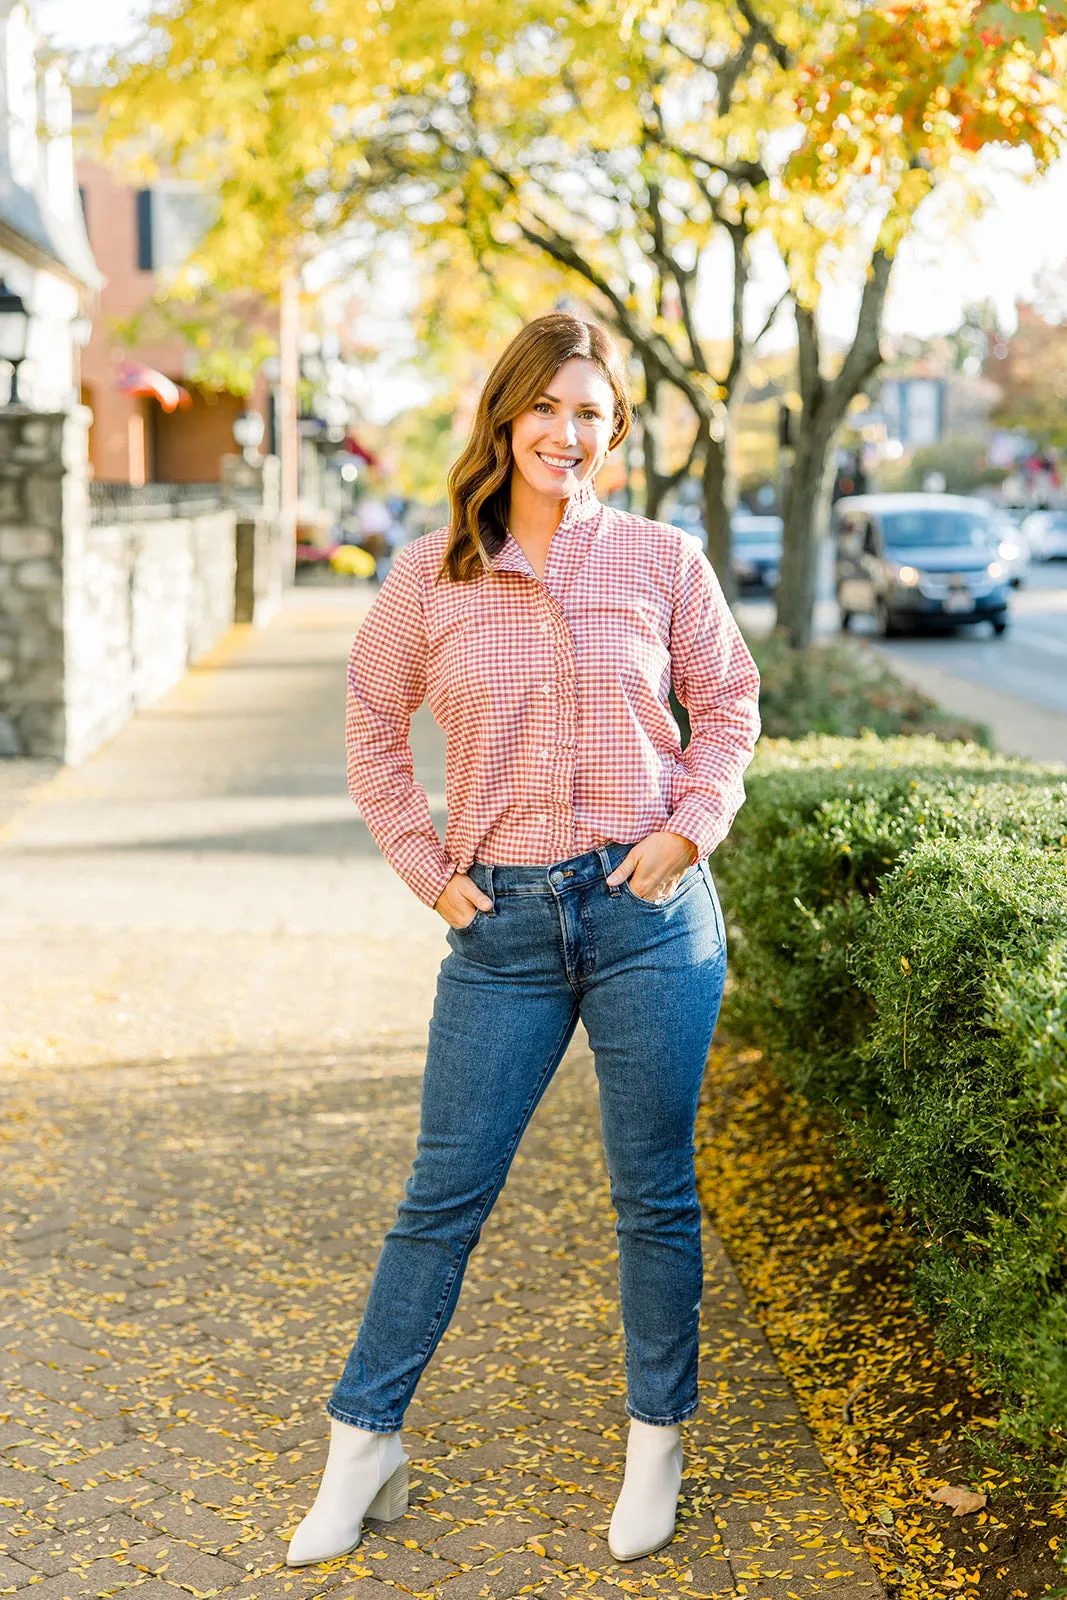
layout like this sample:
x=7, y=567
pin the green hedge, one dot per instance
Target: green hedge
x=966, y=958
x=900, y=949
x=837, y=687
x=825, y=821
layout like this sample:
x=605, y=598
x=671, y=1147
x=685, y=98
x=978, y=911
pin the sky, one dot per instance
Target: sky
x=944, y=267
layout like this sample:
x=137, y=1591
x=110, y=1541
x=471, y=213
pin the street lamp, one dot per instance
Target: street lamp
x=335, y=415
x=14, y=333
x=248, y=430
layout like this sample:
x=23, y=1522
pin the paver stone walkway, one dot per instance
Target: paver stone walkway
x=215, y=999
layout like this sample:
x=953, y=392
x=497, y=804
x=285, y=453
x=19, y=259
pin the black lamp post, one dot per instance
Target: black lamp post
x=14, y=332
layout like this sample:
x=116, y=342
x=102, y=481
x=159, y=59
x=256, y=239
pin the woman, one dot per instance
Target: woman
x=545, y=631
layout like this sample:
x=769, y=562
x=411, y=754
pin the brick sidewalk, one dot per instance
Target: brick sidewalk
x=190, y=1233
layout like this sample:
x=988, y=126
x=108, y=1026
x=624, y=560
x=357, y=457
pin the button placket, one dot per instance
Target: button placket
x=556, y=782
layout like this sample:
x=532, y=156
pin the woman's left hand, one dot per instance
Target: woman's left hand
x=655, y=865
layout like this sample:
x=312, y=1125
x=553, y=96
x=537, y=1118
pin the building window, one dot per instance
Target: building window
x=145, y=254
x=172, y=218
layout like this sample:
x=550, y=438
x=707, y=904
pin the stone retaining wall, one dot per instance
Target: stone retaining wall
x=98, y=621
x=143, y=602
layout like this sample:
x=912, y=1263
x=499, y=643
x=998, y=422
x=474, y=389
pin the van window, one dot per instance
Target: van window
x=851, y=526
x=934, y=527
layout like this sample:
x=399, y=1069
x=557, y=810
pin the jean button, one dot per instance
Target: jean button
x=555, y=877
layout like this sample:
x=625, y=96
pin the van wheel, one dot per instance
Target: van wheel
x=887, y=628
x=1000, y=627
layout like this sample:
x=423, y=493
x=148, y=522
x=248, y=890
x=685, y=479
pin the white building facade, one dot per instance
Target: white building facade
x=45, y=256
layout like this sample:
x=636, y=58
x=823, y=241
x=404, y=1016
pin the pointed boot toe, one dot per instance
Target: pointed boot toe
x=315, y=1541
x=644, y=1517
x=366, y=1474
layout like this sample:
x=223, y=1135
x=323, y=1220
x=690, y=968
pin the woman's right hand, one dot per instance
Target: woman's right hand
x=460, y=899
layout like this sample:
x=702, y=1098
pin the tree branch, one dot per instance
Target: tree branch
x=739, y=245
x=865, y=355
x=727, y=76
x=764, y=35
x=751, y=172
x=771, y=318
x=809, y=372
x=695, y=449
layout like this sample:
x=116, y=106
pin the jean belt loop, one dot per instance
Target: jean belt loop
x=605, y=862
x=489, y=888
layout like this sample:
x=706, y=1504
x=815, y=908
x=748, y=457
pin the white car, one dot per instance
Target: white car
x=1047, y=535
x=756, y=550
x=1012, y=547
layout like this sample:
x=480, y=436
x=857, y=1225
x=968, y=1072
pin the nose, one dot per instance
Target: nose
x=566, y=432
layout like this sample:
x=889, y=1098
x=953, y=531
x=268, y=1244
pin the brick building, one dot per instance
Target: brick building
x=146, y=430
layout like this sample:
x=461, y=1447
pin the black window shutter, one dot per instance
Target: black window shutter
x=145, y=263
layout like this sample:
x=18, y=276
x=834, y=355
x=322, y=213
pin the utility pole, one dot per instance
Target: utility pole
x=289, y=433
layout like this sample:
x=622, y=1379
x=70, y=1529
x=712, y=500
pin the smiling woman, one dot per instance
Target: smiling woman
x=546, y=631
x=554, y=405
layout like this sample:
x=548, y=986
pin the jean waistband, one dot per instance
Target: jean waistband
x=552, y=878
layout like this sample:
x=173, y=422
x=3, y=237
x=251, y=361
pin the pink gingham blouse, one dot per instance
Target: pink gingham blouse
x=553, y=698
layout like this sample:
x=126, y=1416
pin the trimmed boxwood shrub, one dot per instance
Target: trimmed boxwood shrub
x=965, y=963
x=899, y=949
x=825, y=821
x=835, y=686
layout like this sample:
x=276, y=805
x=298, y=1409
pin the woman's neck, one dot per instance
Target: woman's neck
x=532, y=517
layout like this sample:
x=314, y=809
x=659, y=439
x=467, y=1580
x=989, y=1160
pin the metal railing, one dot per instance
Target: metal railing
x=127, y=502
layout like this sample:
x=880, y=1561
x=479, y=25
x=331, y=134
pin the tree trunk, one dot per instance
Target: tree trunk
x=655, y=491
x=718, y=507
x=806, y=509
x=656, y=481
x=824, y=403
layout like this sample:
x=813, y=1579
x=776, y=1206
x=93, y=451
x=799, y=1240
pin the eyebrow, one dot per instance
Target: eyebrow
x=584, y=405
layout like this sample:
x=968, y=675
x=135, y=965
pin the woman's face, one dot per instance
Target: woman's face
x=559, y=442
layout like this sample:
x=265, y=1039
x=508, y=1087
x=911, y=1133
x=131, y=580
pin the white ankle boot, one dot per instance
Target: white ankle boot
x=643, y=1519
x=366, y=1474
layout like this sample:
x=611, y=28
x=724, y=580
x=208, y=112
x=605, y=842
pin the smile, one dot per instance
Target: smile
x=561, y=463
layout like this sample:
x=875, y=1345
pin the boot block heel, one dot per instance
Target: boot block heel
x=391, y=1501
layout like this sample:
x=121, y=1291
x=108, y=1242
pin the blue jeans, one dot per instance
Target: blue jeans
x=646, y=981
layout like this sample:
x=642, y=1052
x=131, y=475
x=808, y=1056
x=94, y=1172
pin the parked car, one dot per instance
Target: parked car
x=757, y=550
x=917, y=560
x=1047, y=533
x=691, y=521
x=1011, y=545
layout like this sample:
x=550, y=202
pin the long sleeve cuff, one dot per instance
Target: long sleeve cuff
x=425, y=870
x=701, y=821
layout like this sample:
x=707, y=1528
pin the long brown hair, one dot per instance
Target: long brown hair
x=479, y=483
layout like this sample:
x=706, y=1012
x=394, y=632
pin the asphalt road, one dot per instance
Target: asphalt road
x=1016, y=684
x=1029, y=661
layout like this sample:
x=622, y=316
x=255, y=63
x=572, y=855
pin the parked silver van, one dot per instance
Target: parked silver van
x=916, y=561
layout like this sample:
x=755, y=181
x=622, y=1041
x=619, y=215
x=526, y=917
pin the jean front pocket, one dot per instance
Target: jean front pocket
x=469, y=927
x=688, y=878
